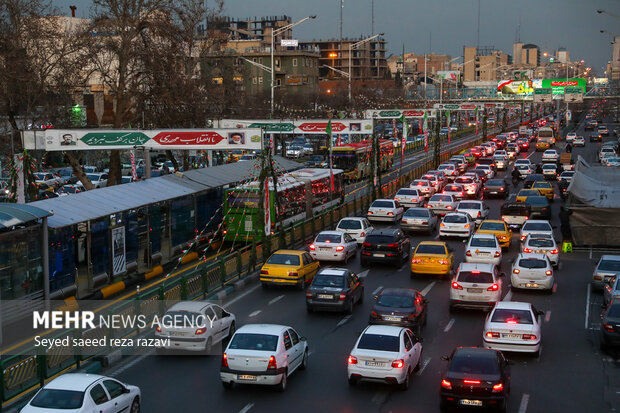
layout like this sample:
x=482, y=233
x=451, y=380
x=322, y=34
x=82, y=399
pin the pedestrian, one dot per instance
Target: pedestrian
x=564, y=216
x=515, y=176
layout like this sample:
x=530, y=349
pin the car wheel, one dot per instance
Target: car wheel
x=135, y=405
x=405, y=384
x=282, y=385
x=304, y=361
x=425, y=317
x=227, y=385
x=349, y=307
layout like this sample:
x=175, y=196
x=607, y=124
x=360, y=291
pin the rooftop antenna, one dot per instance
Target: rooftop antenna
x=478, y=32
x=519, y=31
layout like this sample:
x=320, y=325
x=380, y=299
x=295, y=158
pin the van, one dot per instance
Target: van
x=514, y=214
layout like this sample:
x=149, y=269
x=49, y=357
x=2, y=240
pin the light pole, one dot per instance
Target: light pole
x=274, y=33
x=354, y=46
x=615, y=16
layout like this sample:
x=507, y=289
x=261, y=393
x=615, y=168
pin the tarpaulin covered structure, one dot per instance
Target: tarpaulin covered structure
x=594, y=199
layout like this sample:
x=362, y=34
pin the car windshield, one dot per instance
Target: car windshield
x=474, y=364
x=379, y=342
x=254, y=341
x=416, y=213
x=334, y=281
x=284, y=259
x=396, y=301
x=532, y=263
x=350, y=224
x=382, y=204
x=464, y=180
x=58, y=399
x=483, y=242
x=455, y=219
x=541, y=242
x=475, y=277
x=492, y=226
x=440, y=198
x=430, y=249
x=509, y=316
x=469, y=205
x=410, y=192
x=536, y=226
x=614, y=311
x=609, y=265
x=328, y=238
x=379, y=239
x=536, y=200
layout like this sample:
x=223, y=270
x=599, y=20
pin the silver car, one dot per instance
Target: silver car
x=409, y=197
x=611, y=291
x=418, y=219
x=607, y=269
x=441, y=204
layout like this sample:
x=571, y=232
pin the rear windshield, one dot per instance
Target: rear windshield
x=505, y=315
x=421, y=183
x=609, y=265
x=443, y=198
x=350, y=224
x=464, y=181
x=430, y=249
x=254, y=341
x=541, y=242
x=453, y=188
x=495, y=182
x=492, y=226
x=483, y=242
x=469, y=205
x=413, y=192
x=335, y=281
x=614, y=311
x=455, y=219
x=532, y=263
x=474, y=364
x=328, y=238
x=396, y=301
x=283, y=259
x=382, y=204
x=536, y=200
x=486, y=161
x=417, y=213
x=541, y=185
x=58, y=399
x=430, y=177
x=528, y=192
x=515, y=210
x=476, y=277
x=536, y=226
x=379, y=342
x=379, y=239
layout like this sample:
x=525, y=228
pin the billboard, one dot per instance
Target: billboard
x=398, y=113
x=301, y=126
x=558, y=85
x=518, y=87
x=452, y=75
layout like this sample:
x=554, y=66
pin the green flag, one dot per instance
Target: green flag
x=328, y=131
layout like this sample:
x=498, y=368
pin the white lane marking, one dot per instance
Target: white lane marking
x=428, y=288
x=547, y=316
x=278, y=298
x=246, y=408
x=130, y=364
x=343, y=321
x=524, y=400
x=449, y=325
x=588, y=306
x=375, y=292
x=508, y=296
x=363, y=274
x=239, y=297
x=423, y=366
x=255, y=313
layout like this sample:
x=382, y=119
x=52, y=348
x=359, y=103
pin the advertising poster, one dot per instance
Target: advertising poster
x=119, y=264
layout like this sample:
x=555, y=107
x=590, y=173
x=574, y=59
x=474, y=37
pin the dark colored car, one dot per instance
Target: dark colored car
x=316, y=161
x=66, y=176
x=595, y=136
x=335, y=289
x=540, y=207
x=487, y=161
x=481, y=174
x=524, y=143
x=495, y=188
x=530, y=179
x=590, y=125
x=610, y=326
x=386, y=245
x=403, y=307
x=46, y=195
x=476, y=377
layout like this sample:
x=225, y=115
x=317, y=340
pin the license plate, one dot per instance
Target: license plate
x=247, y=377
x=391, y=318
x=325, y=296
x=325, y=249
x=378, y=255
x=540, y=252
x=508, y=335
x=466, y=402
x=177, y=333
x=531, y=285
x=375, y=364
x=474, y=290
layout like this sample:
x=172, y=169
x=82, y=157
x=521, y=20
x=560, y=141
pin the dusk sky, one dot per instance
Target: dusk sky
x=445, y=26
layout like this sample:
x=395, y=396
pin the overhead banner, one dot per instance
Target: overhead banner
x=398, y=113
x=558, y=85
x=518, y=87
x=449, y=75
x=79, y=139
x=468, y=106
x=302, y=126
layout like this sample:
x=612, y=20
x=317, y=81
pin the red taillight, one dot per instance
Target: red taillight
x=398, y=364
x=158, y=329
x=442, y=262
x=309, y=294
x=494, y=287
x=272, y=363
x=390, y=213
x=312, y=247
x=498, y=387
x=366, y=244
x=370, y=212
x=496, y=254
x=555, y=251
x=478, y=214
x=501, y=189
x=362, y=234
x=529, y=337
x=449, y=207
x=224, y=360
x=466, y=226
x=396, y=199
x=523, y=236
x=516, y=271
x=266, y=272
x=342, y=297
x=527, y=250
x=466, y=381
x=352, y=360
x=339, y=248
x=374, y=314
x=446, y=384
x=457, y=286
x=416, y=261
x=200, y=331
x=549, y=272
x=293, y=274
x=491, y=334
x=395, y=245
x=511, y=321
x=468, y=253
x=608, y=327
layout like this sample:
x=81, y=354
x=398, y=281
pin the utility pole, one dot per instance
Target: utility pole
x=484, y=124
x=437, y=153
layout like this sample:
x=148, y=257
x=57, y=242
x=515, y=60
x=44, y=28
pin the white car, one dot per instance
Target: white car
x=513, y=326
x=542, y=244
x=441, y=204
x=471, y=187
x=85, y=393
x=536, y=226
x=579, y=141
x=550, y=171
x=483, y=248
x=388, y=354
x=99, y=180
x=501, y=152
x=456, y=224
x=333, y=246
x=525, y=161
x=524, y=170
x=606, y=151
x=501, y=161
x=450, y=170
x=532, y=272
x=550, y=155
x=194, y=326
x=487, y=169
x=434, y=180
x=409, y=197
x=476, y=285
x=456, y=190
x=425, y=187
x=385, y=210
x=611, y=161
x=477, y=210
x=570, y=137
x=264, y=354
x=566, y=176
x=294, y=152
x=357, y=228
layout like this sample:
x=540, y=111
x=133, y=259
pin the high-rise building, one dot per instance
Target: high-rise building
x=530, y=55
x=614, y=73
x=516, y=52
x=482, y=63
x=562, y=55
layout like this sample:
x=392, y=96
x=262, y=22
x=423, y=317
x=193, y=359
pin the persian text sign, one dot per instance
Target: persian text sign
x=397, y=113
x=305, y=126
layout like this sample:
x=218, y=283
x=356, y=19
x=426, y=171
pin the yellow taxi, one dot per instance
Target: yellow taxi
x=289, y=267
x=524, y=193
x=542, y=145
x=497, y=228
x=432, y=257
x=545, y=188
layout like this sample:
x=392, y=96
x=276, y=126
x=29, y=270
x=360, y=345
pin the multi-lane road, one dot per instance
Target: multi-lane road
x=570, y=375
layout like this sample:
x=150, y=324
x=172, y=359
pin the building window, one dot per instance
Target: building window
x=278, y=82
x=260, y=80
x=277, y=63
x=254, y=59
x=294, y=62
x=260, y=60
x=254, y=80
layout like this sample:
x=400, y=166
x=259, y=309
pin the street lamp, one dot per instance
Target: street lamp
x=608, y=13
x=354, y=46
x=274, y=33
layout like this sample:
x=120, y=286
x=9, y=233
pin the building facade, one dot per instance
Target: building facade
x=482, y=64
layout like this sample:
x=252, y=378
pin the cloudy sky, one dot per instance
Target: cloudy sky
x=445, y=26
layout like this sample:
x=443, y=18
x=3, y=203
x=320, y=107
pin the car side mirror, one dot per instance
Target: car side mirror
x=540, y=312
x=126, y=390
x=445, y=358
x=303, y=339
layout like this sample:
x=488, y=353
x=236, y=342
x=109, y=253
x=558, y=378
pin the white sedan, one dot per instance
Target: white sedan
x=477, y=210
x=264, y=354
x=388, y=354
x=333, y=246
x=82, y=393
x=579, y=141
x=425, y=187
x=542, y=244
x=483, y=248
x=409, y=197
x=550, y=155
x=535, y=226
x=513, y=326
x=356, y=227
x=456, y=224
x=385, y=210
x=487, y=170
x=532, y=272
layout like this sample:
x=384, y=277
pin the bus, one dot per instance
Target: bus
x=354, y=158
x=301, y=195
x=545, y=139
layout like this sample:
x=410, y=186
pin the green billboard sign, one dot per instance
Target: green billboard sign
x=273, y=127
x=558, y=85
x=114, y=138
